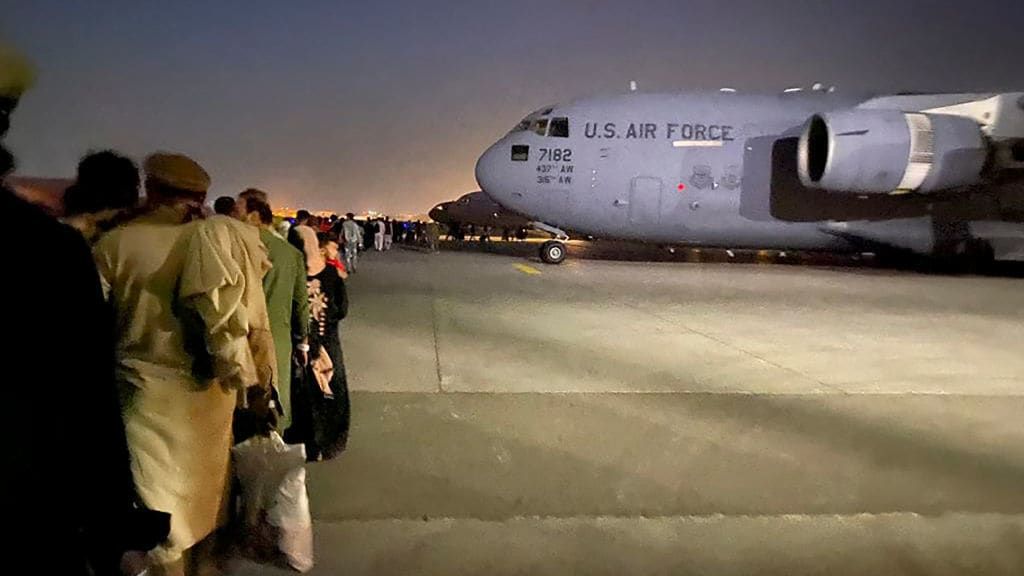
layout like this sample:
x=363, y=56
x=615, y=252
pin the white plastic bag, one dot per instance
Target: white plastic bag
x=275, y=507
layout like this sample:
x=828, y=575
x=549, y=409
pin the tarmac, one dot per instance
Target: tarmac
x=624, y=417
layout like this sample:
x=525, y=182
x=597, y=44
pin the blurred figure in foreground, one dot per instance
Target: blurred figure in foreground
x=70, y=483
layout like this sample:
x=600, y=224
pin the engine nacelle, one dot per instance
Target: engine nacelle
x=889, y=151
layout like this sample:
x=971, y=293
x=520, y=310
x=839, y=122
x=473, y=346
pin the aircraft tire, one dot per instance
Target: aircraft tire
x=552, y=252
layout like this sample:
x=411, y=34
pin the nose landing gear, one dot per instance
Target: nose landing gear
x=552, y=252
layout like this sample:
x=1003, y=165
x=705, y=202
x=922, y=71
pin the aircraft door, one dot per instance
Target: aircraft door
x=645, y=200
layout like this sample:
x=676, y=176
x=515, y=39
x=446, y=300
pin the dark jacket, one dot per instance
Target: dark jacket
x=71, y=485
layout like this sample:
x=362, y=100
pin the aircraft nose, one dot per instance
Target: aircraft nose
x=489, y=170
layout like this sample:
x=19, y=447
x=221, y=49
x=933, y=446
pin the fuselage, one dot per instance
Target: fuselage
x=700, y=169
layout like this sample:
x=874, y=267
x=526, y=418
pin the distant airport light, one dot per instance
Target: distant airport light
x=698, y=144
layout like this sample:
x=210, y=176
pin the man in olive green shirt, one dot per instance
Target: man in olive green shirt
x=285, y=289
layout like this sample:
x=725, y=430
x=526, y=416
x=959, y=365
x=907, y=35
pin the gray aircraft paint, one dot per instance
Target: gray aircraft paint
x=630, y=155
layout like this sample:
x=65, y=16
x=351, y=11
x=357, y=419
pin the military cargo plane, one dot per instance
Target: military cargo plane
x=940, y=175
x=478, y=209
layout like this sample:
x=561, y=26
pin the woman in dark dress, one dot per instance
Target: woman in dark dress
x=322, y=405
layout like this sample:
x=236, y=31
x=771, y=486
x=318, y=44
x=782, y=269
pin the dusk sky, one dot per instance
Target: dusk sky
x=387, y=105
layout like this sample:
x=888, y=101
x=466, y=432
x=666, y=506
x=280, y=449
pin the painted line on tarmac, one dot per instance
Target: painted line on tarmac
x=529, y=270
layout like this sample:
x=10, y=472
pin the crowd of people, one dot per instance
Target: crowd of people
x=355, y=236
x=459, y=232
x=147, y=337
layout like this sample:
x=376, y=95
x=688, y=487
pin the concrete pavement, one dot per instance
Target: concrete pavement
x=622, y=417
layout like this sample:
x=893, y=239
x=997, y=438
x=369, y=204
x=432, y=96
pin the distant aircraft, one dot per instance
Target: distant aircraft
x=478, y=209
x=940, y=175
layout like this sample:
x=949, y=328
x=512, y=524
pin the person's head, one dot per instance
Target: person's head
x=175, y=179
x=350, y=216
x=225, y=206
x=301, y=217
x=254, y=208
x=256, y=211
x=106, y=180
x=328, y=245
x=253, y=193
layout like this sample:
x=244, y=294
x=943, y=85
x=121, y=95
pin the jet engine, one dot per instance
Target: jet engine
x=867, y=151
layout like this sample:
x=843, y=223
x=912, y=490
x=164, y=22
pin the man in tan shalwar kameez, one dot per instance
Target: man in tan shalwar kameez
x=192, y=333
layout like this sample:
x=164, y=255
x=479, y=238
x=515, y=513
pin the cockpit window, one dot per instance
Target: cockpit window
x=520, y=153
x=546, y=111
x=559, y=128
x=555, y=127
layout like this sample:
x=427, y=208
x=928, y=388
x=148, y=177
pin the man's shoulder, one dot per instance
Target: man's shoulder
x=232, y=227
x=227, y=222
x=25, y=215
x=38, y=231
x=277, y=245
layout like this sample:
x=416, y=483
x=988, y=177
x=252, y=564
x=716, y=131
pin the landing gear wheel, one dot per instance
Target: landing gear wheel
x=552, y=252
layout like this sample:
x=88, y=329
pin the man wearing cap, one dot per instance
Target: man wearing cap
x=186, y=312
x=70, y=482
